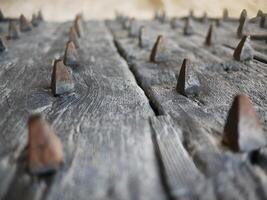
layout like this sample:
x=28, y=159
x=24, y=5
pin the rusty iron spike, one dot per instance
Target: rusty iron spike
x=134, y=28
x=263, y=21
x=143, y=38
x=73, y=36
x=210, y=38
x=191, y=13
x=259, y=13
x=243, y=15
x=187, y=83
x=204, y=18
x=40, y=16
x=244, y=51
x=1, y=15
x=45, y=154
x=242, y=130
x=225, y=14
x=71, y=57
x=242, y=28
x=34, y=21
x=61, y=81
x=158, y=53
x=78, y=25
x=25, y=25
x=3, y=46
x=188, y=27
x=13, y=30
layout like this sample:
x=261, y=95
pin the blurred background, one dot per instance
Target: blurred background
x=61, y=10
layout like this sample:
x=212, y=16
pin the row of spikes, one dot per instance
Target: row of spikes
x=242, y=133
x=50, y=157
x=260, y=17
x=14, y=31
x=241, y=117
x=61, y=80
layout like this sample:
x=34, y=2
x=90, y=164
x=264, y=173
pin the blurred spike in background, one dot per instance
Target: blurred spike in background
x=60, y=10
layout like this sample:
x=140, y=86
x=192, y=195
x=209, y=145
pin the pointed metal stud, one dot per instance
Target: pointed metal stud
x=158, y=53
x=160, y=15
x=45, y=153
x=210, y=38
x=3, y=46
x=204, y=18
x=187, y=83
x=134, y=28
x=13, y=30
x=35, y=21
x=78, y=25
x=61, y=81
x=143, y=39
x=2, y=17
x=259, y=13
x=40, y=16
x=71, y=57
x=73, y=36
x=243, y=15
x=263, y=21
x=225, y=14
x=242, y=28
x=242, y=130
x=25, y=25
x=191, y=13
x=188, y=27
x=244, y=51
x=175, y=23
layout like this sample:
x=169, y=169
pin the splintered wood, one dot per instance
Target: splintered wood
x=133, y=109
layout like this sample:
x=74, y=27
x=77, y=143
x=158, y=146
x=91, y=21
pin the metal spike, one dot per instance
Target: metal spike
x=40, y=16
x=78, y=25
x=242, y=130
x=263, y=21
x=25, y=25
x=45, y=153
x=158, y=53
x=210, y=36
x=191, y=13
x=73, y=36
x=225, y=14
x=35, y=21
x=143, y=38
x=71, y=57
x=259, y=13
x=3, y=46
x=134, y=28
x=13, y=30
x=187, y=83
x=244, y=51
x=204, y=18
x=243, y=15
x=242, y=28
x=2, y=17
x=160, y=15
x=175, y=23
x=61, y=81
x=188, y=28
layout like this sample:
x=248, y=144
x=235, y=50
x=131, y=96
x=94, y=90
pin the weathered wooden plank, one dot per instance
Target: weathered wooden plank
x=181, y=172
x=104, y=86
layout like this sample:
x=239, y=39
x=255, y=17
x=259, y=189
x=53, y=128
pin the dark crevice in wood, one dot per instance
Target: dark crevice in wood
x=152, y=105
x=161, y=168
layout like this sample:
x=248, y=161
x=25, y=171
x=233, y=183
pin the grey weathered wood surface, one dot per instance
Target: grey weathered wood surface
x=115, y=145
x=201, y=118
